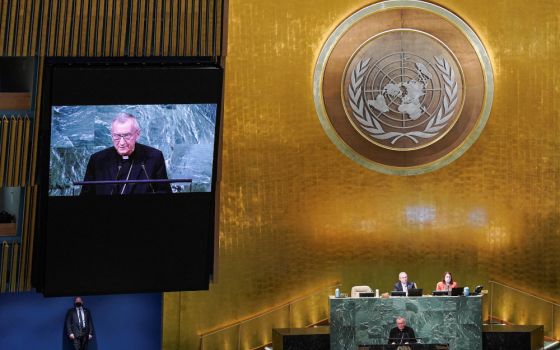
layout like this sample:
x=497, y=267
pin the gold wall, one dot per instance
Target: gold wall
x=296, y=214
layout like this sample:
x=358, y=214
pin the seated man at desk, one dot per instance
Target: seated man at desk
x=401, y=334
x=403, y=285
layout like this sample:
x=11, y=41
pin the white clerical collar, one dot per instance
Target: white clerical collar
x=125, y=157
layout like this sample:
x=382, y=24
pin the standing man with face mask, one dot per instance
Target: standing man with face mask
x=79, y=325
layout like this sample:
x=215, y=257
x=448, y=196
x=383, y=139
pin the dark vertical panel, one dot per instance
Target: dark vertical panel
x=146, y=22
x=95, y=25
x=178, y=28
x=15, y=28
x=175, y=29
x=71, y=30
x=89, y=16
x=4, y=137
x=184, y=25
x=45, y=28
x=19, y=124
x=3, y=29
x=41, y=13
x=26, y=146
x=4, y=266
x=186, y=30
x=67, y=28
x=192, y=36
x=17, y=32
x=122, y=23
x=214, y=26
x=199, y=29
x=11, y=151
x=56, y=22
x=113, y=22
x=128, y=29
x=33, y=214
x=64, y=9
x=104, y=28
x=62, y=30
x=206, y=27
x=21, y=43
x=136, y=29
x=24, y=241
x=170, y=28
x=14, y=264
x=7, y=31
x=80, y=27
x=154, y=27
x=162, y=29
x=31, y=29
x=36, y=123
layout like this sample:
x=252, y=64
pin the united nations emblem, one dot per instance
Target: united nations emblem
x=403, y=87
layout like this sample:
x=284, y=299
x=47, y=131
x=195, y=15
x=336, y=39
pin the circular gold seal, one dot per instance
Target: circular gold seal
x=403, y=87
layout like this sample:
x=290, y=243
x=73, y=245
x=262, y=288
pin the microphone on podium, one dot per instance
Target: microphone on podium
x=147, y=177
x=119, y=167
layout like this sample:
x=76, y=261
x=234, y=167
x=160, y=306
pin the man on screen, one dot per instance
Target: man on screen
x=126, y=160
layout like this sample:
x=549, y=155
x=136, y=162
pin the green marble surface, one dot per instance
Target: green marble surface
x=456, y=321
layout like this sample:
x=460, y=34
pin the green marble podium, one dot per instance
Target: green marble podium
x=456, y=321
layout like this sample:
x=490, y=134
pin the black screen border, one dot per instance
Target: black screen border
x=205, y=86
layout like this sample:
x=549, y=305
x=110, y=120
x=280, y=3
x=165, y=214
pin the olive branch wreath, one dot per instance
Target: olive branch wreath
x=372, y=125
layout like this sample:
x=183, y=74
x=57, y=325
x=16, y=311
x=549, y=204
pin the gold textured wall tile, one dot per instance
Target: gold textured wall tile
x=296, y=214
x=556, y=320
x=518, y=307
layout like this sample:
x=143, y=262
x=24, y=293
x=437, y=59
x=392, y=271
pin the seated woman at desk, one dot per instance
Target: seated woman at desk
x=447, y=283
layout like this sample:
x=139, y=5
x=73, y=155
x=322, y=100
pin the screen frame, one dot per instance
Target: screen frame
x=128, y=66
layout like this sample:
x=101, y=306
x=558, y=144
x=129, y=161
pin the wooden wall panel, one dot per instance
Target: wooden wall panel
x=109, y=28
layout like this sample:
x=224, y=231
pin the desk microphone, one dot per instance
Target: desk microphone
x=147, y=177
x=117, y=177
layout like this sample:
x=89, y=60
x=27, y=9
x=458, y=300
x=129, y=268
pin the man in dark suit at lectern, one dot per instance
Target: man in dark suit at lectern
x=402, y=334
x=126, y=160
x=79, y=325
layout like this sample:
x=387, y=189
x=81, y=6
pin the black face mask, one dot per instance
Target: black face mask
x=78, y=304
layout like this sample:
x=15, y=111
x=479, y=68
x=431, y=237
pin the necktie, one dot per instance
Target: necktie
x=81, y=317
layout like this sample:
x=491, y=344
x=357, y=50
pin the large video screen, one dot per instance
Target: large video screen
x=173, y=142
x=129, y=171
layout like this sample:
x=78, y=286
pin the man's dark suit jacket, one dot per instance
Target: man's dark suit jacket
x=104, y=165
x=398, y=286
x=73, y=324
x=400, y=337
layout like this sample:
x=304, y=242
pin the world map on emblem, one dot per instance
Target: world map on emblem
x=403, y=89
